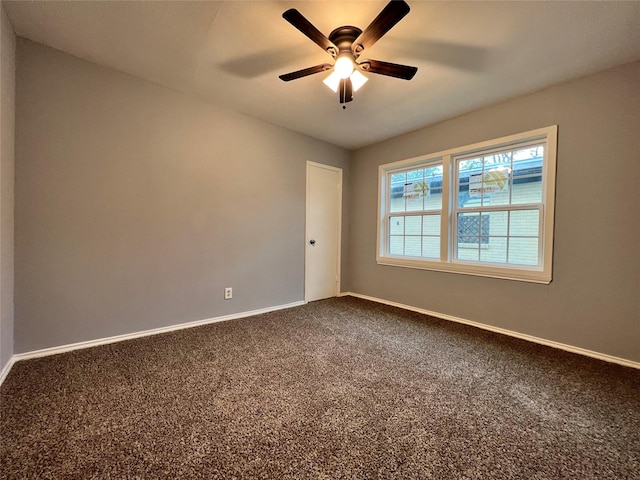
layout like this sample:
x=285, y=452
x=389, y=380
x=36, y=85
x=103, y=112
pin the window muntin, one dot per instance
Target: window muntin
x=483, y=209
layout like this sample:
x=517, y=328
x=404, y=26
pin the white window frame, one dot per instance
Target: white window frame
x=541, y=273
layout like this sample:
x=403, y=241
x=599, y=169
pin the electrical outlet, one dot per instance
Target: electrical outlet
x=228, y=293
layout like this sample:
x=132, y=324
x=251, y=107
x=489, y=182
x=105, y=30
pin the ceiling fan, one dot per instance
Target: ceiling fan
x=346, y=44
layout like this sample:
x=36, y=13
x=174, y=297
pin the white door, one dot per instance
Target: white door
x=324, y=217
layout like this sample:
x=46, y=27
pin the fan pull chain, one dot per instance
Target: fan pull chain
x=344, y=94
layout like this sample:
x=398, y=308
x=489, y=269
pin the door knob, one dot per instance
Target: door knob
x=312, y=242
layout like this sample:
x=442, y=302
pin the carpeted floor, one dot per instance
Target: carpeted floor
x=336, y=389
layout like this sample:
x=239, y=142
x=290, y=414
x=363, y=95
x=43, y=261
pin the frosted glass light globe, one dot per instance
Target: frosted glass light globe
x=343, y=67
x=357, y=80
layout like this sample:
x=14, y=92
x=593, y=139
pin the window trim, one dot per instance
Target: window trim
x=538, y=274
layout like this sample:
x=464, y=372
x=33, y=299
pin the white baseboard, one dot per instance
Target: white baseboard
x=130, y=336
x=503, y=331
x=6, y=369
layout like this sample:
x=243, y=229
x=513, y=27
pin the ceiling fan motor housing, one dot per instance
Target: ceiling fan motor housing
x=343, y=37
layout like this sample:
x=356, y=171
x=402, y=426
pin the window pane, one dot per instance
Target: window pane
x=396, y=198
x=496, y=160
x=399, y=177
x=431, y=247
x=468, y=248
x=433, y=183
x=497, y=186
x=527, y=153
x=396, y=192
x=470, y=165
x=396, y=225
x=524, y=223
x=415, y=175
x=527, y=175
x=412, y=246
x=434, y=200
x=497, y=222
x=495, y=250
x=468, y=241
x=467, y=169
x=413, y=225
x=527, y=190
x=523, y=251
x=414, y=203
x=431, y=225
x=469, y=226
x=396, y=245
x=495, y=179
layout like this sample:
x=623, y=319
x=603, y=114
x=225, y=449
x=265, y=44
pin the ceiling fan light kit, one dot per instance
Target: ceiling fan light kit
x=357, y=80
x=346, y=44
x=343, y=66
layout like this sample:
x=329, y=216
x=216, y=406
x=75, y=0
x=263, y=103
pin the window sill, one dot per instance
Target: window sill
x=467, y=268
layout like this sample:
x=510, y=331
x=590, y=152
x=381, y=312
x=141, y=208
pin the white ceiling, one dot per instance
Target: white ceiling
x=468, y=54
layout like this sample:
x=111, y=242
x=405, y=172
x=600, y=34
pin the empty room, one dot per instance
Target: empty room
x=319, y=240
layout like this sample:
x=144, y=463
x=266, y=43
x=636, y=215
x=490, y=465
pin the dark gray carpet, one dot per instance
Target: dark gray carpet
x=341, y=388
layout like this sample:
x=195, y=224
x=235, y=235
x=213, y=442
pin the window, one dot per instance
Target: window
x=415, y=212
x=485, y=209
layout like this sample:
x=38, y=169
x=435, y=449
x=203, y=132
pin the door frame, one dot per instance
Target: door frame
x=307, y=247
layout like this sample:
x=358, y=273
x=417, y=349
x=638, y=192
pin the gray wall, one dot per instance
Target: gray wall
x=7, y=127
x=136, y=205
x=593, y=301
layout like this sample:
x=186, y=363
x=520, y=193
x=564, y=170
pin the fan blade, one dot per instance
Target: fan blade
x=404, y=72
x=346, y=90
x=386, y=19
x=295, y=18
x=287, y=77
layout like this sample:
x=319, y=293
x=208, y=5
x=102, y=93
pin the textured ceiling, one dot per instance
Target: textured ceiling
x=468, y=54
